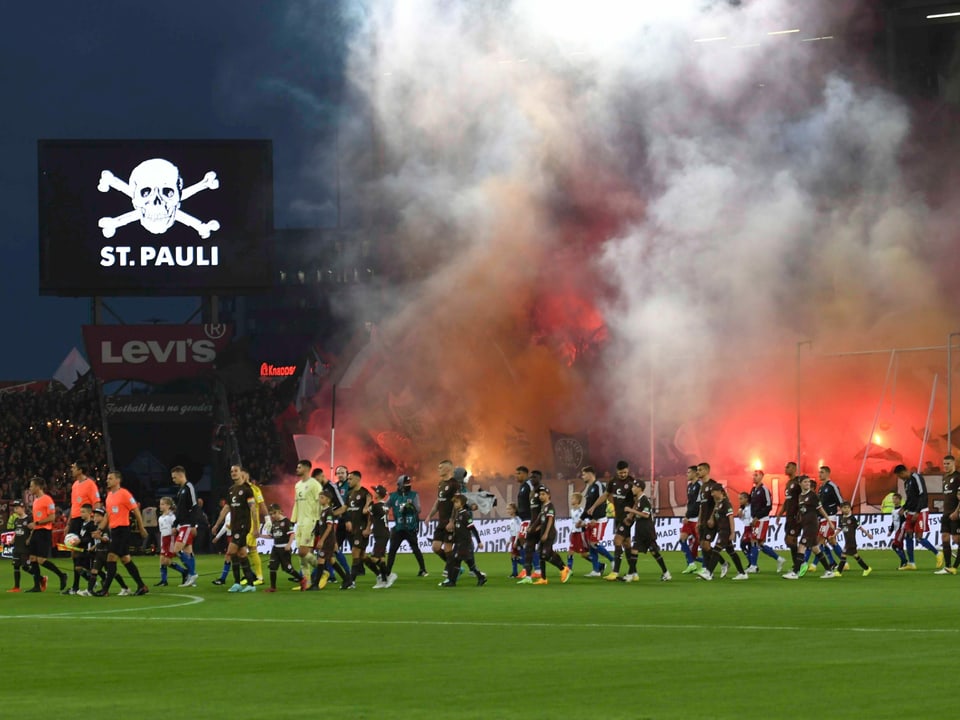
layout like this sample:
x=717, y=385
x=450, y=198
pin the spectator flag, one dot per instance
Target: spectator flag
x=71, y=369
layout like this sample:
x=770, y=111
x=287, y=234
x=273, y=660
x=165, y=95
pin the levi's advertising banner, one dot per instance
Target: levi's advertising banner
x=154, y=353
x=155, y=217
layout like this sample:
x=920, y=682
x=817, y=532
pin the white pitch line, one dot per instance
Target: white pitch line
x=90, y=614
x=505, y=623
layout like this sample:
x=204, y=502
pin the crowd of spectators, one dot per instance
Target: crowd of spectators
x=254, y=415
x=41, y=433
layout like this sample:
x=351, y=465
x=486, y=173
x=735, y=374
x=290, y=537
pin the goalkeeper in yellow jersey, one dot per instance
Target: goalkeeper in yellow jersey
x=259, y=505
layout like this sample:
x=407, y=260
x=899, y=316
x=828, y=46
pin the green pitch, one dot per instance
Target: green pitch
x=764, y=648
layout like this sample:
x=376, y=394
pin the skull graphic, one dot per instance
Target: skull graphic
x=156, y=188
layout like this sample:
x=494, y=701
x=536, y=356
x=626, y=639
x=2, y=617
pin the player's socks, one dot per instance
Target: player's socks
x=91, y=582
x=823, y=560
x=247, y=570
x=34, y=570
x=617, y=557
x=685, y=546
x=604, y=553
x=235, y=566
x=48, y=564
x=843, y=564
x=659, y=558
x=860, y=561
x=163, y=573
x=947, y=553
x=134, y=573
x=514, y=563
x=111, y=567
x=181, y=569
x=797, y=559
x=273, y=579
x=956, y=559
x=909, y=545
x=928, y=545
x=806, y=556
x=225, y=571
x=825, y=549
x=631, y=564
x=16, y=577
x=736, y=560
x=837, y=550
x=76, y=579
x=441, y=553
x=118, y=578
x=570, y=561
x=537, y=565
x=769, y=552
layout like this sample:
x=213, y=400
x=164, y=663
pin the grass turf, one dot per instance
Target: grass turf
x=765, y=648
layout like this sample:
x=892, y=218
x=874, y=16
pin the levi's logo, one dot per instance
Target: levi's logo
x=140, y=351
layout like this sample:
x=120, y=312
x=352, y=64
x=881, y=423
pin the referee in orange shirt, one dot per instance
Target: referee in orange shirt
x=119, y=506
x=40, y=544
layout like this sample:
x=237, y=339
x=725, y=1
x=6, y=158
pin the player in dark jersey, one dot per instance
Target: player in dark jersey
x=761, y=505
x=242, y=503
x=532, y=569
x=831, y=499
x=338, y=506
x=644, y=534
x=282, y=532
x=724, y=527
x=789, y=510
x=591, y=519
x=849, y=525
x=83, y=559
x=189, y=513
x=21, y=532
x=916, y=512
x=443, y=508
x=547, y=533
x=809, y=512
x=950, y=521
x=380, y=530
x=462, y=551
x=706, y=523
x=690, y=516
x=619, y=492
x=101, y=550
x=328, y=547
x=359, y=501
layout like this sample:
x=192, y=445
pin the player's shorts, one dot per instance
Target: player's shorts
x=532, y=539
x=328, y=550
x=577, y=544
x=849, y=544
x=185, y=535
x=239, y=537
x=522, y=533
x=761, y=527
x=809, y=533
x=380, y=545
x=689, y=528
x=897, y=540
x=304, y=533
x=166, y=547
x=40, y=543
x=622, y=528
x=707, y=534
x=949, y=526
x=646, y=542
x=747, y=536
x=75, y=526
x=279, y=558
x=120, y=540
x=917, y=522
x=357, y=539
x=441, y=535
x=593, y=533
x=825, y=529
x=791, y=527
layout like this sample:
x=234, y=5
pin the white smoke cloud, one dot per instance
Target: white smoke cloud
x=718, y=200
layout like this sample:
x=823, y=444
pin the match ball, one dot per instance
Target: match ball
x=72, y=539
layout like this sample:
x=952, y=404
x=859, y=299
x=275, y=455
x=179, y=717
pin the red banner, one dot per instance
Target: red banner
x=154, y=353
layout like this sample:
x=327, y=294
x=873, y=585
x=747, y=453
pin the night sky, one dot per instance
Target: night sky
x=123, y=70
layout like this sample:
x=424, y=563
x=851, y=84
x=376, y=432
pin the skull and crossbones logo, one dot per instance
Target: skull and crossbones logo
x=156, y=191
